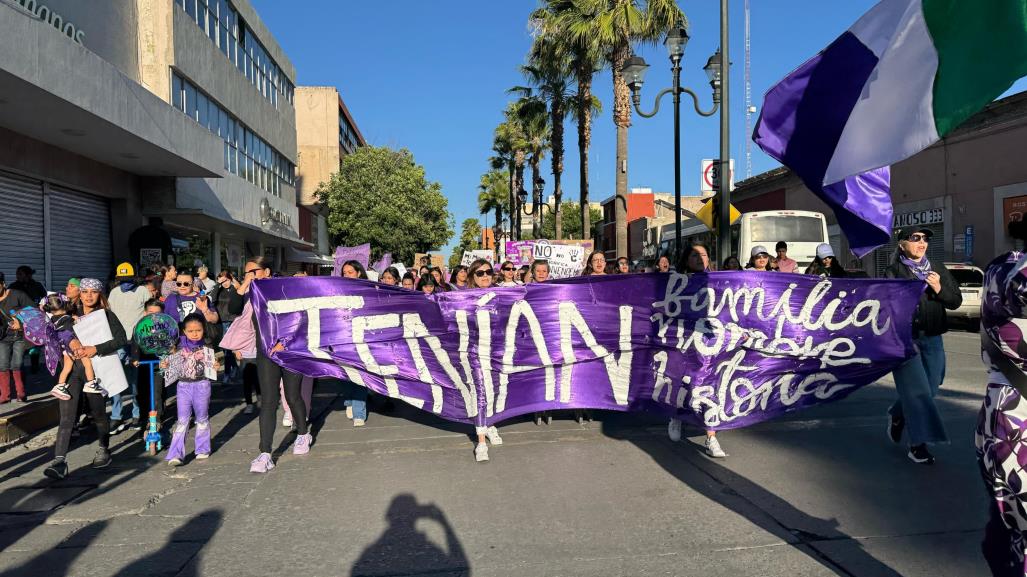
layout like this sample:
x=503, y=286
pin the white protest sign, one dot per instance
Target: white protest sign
x=91, y=330
x=473, y=255
x=564, y=260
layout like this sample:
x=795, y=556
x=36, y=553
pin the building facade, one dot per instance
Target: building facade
x=114, y=115
x=965, y=188
x=325, y=133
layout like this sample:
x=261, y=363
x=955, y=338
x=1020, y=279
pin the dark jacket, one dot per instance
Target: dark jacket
x=930, y=318
x=221, y=298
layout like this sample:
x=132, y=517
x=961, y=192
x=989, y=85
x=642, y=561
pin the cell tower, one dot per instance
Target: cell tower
x=749, y=108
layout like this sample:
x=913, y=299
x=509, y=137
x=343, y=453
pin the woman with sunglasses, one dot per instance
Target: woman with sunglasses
x=825, y=264
x=759, y=259
x=458, y=279
x=187, y=300
x=270, y=376
x=596, y=264
x=918, y=379
x=481, y=274
x=507, y=272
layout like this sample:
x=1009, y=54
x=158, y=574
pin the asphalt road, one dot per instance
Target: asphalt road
x=820, y=493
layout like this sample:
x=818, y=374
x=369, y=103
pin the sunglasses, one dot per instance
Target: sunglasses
x=918, y=238
x=252, y=271
x=507, y=268
x=483, y=272
x=184, y=283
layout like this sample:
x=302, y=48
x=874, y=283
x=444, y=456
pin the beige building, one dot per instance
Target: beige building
x=116, y=113
x=325, y=133
x=965, y=188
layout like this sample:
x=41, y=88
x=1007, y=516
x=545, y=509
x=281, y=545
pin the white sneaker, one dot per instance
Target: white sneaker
x=175, y=463
x=349, y=412
x=674, y=430
x=202, y=456
x=287, y=420
x=358, y=422
x=481, y=453
x=713, y=448
x=492, y=434
x=93, y=388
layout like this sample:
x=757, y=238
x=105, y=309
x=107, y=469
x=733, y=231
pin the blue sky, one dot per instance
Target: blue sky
x=431, y=76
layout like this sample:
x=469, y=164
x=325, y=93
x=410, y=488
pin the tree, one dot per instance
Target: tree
x=494, y=196
x=508, y=143
x=571, y=222
x=470, y=236
x=381, y=196
x=533, y=119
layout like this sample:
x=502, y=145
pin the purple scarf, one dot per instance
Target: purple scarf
x=190, y=345
x=921, y=268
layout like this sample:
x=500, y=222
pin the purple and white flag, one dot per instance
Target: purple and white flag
x=719, y=350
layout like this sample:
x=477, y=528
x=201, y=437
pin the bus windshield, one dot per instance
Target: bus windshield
x=770, y=229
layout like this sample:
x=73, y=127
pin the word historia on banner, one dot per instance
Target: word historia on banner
x=719, y=350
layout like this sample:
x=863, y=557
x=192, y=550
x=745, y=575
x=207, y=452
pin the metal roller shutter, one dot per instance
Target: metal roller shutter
x=935, y=250
x=80, y=236
x=21, y=225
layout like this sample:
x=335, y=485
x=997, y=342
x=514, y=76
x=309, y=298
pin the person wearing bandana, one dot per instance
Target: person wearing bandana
x=918, y=379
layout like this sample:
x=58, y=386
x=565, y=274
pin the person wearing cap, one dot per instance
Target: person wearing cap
x=28, y=285
x=12, y=341
x=918, y=379
x=784, y=264
x=825, y=264
x=759, y=259
x=128, y=303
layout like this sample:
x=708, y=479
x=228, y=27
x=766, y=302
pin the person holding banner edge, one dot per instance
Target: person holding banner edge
x=356, y=405
x=481, y=274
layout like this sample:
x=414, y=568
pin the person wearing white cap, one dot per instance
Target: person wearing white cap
x=759, y=259
x=825, y=264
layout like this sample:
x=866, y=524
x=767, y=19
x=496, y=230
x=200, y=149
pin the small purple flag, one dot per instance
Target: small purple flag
x=383, y=263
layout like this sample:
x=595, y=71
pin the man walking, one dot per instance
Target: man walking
x=128, y=303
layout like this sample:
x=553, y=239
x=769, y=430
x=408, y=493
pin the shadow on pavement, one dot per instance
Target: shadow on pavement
x=56, y=562
x=405, y=550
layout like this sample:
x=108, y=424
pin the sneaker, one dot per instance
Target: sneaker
x=93, y=388
x=492, y=434
x=118, y=427
x=262, y=464
x=349, y=412
x=60, y=390
x=358, y=422
x=481, y=452
x=174, y=462
x=136, y=424
x=302, y=444
x=102, y=459
x=248, y=410
x=713, y=448
x=57, y=470
x=202, y=456
x=920, y=455
x=287, y=420
x=674, y=430
x=895, y=427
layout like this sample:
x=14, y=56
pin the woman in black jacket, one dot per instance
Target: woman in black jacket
x=91, y=299
x=918, y=379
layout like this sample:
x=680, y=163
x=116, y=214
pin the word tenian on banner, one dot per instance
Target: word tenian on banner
x=720, y=350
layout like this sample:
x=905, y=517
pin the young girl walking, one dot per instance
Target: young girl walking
x=192, y=366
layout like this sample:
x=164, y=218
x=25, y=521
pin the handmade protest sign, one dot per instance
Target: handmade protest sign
x=565, y=258
x=472, y=255
x=361, y=254
x=719, y=350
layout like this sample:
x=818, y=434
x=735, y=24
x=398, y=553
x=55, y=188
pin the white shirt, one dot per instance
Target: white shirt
x=129, y=307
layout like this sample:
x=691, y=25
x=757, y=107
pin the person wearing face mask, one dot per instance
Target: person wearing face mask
x=481, y=274
x=759, y=259
x=918, y=379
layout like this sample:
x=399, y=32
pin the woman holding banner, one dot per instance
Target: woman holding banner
x=696, y=260
x=481, y=274
x=507, y=270
x=356, y=404
x=271, y=376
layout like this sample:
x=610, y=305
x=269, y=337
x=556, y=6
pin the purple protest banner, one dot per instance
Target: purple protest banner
x=719, y=350
x=361, y=254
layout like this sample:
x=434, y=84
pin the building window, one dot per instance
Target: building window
x=221, y=23
x=246, y=154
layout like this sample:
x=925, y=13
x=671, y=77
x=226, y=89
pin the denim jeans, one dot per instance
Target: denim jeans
x=357, y=398
x=132, y=375
x=917, y=382
x=12, y=353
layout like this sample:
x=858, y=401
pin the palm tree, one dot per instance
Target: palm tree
x=533, y=119
x=493, y=195
x=569, y=24
x=508, y=143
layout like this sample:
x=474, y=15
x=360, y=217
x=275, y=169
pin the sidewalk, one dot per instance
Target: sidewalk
x=19, y=420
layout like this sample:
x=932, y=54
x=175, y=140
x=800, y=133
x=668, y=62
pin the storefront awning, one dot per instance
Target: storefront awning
x=307, y=257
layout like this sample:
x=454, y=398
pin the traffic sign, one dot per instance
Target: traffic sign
x=709, y=217
x=711, y=177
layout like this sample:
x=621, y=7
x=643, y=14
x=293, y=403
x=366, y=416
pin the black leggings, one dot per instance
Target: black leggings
x=69, y=413
x=250, y=383
x=270, y=375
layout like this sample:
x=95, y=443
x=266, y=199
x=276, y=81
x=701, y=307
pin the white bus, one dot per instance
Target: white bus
x=802, y=230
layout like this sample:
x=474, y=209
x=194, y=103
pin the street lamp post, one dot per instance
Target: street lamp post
x=634, y=72
x=723, y=73
x=536, y=205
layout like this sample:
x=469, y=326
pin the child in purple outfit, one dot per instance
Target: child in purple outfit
x=191, y=366
x=59, y=308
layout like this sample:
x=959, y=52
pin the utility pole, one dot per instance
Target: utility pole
x=724, y=240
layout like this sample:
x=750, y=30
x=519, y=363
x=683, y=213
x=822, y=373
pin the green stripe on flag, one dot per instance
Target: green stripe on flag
x=982, y=50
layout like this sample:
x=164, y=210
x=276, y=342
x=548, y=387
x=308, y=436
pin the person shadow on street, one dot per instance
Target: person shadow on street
x=405, y=550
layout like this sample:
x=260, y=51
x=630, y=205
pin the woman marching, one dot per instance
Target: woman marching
x=508, y=271
x=91, y=299
x=270, y=375
x=482, y=276
x=458, y=280
x=759, y=259
x=356, y=404
x=825, y=264
x=696, y=260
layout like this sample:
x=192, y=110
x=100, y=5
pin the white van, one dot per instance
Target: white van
x=802, y=230
x=971, y=284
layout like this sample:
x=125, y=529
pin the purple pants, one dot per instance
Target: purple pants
x=193, y=400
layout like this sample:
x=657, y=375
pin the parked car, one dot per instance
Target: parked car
x=971, y=285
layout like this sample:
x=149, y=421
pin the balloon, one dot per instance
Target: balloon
x=156, y=334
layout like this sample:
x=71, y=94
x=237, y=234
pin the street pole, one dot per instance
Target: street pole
x=724, y=242
x=676, y=70
x=510, y=169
